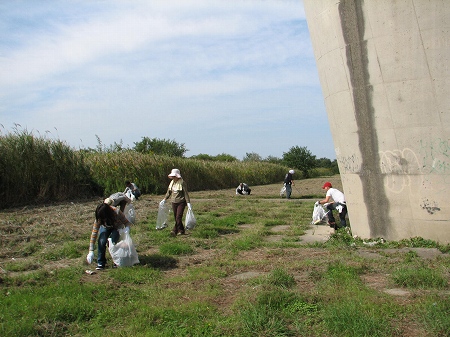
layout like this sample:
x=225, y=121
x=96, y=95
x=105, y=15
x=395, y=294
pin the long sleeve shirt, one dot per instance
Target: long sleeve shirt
x=120, y=221
x=177, y=192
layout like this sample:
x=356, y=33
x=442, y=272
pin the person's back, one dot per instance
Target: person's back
x=132, y=189
x=288, y=181
x=243, y=189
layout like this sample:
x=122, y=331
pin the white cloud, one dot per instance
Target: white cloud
x=85, y=67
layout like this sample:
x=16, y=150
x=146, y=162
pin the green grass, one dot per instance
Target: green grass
x=419, y=277
x=228, y=277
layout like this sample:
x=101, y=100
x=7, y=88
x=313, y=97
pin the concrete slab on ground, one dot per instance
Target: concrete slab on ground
x=317, y=233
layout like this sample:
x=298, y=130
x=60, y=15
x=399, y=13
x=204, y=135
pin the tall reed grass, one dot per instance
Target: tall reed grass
x=149, y=172
x=34, y=169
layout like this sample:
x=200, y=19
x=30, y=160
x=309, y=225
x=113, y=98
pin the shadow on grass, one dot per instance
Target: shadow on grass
x=158, y=261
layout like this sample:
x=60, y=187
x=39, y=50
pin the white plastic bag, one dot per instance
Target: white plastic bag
x=190, y=219
x=283, y=191
x=319, y=214
x=163, y=215
x=124, y=252
x=129, y=212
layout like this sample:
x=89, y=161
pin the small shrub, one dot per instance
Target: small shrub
x=421, y=277
x=176, y=248
x=281, y=278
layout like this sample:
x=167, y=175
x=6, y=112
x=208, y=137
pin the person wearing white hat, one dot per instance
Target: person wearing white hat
x=178, y=194
x=288, y=182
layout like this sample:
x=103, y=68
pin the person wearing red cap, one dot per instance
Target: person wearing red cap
x=338, y=203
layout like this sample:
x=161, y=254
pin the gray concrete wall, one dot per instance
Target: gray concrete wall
x=383, y=68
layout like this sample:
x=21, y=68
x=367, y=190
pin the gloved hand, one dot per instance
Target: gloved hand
x=90, y=257
x=317, y=203
x=339, y=208
x=162, y=202
x=189, y=206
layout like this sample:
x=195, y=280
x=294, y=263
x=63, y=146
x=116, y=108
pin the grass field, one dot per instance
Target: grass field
x=243, y=271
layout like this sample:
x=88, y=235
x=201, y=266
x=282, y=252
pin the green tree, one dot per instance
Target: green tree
x=273, y=160
x=225, y=157
x=300, y=158
x=160, y=146
x=252, y=156
x=203, y=156
x=323, y=162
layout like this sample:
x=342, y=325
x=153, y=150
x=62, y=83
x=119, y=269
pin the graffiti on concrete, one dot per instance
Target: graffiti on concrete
x=349, y=164
x=435, y=155
x=430, y=207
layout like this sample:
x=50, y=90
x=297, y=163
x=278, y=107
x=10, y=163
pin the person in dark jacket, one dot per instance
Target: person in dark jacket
x=288, y=182
x=132, y=188
x=243, y=189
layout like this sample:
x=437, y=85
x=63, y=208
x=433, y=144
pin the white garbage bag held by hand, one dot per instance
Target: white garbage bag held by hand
x=319, y=214
x=163, y=215
x=90, y=257
x=191, y=222
x=130, y=213
x=124, y=252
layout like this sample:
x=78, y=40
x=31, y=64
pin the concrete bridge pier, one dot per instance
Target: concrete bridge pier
x=383, y=68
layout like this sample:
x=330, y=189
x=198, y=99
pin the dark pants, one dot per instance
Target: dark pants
x=242, y=192
x=332, y=220
x=178, y=211
x=103, y=235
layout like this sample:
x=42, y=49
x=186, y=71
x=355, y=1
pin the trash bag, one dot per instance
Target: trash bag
x=283, y=191
x=163, y=215
x=130, y=195
x=191, y=222
x=319, y=214
x=124, y=252
x=130, y=214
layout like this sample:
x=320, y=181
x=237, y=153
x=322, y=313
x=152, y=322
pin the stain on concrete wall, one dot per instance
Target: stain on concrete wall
x=352, y=21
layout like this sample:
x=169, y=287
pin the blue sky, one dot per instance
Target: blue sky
x=224, y=76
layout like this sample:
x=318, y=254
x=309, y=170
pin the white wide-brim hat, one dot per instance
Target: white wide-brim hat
x=175, y=173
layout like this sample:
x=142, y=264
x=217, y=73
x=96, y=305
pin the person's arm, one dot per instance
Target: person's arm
x=186, y=193
x=94, y=234
x=169, y=191
x=324, y=201
x=121, y=220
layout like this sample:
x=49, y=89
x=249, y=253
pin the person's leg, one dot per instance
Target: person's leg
x=179, y=217
x=115, y=236
x=103, y=236
x=342, y=215
x=288, y=191
x=331, y=219
x=174, y=210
